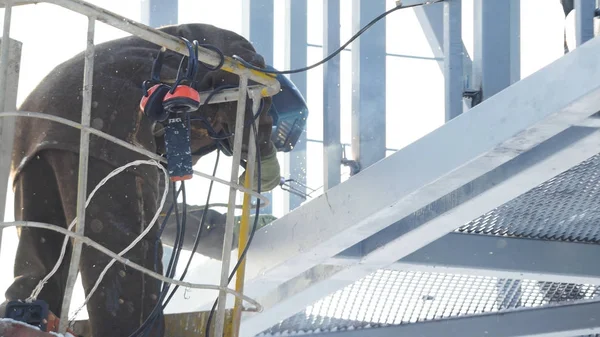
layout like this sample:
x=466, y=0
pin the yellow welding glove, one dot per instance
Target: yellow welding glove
x=270, y=173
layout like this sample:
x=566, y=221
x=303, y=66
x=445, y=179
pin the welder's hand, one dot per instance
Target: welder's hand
x=270, y=173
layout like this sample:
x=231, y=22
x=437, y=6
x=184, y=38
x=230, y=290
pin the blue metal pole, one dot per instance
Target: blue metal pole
x=584, y=20
x=368, y=84
x=156, y=13
x=332, y=147
x=296, y=12
x=453, y=59
x=496, y=51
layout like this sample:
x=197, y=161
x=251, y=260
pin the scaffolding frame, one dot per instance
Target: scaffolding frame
x=267, y=86
x=9, y=73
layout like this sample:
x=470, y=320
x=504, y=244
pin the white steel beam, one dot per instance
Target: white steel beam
x=467, y=148
x=445, y=214
x=568, y=320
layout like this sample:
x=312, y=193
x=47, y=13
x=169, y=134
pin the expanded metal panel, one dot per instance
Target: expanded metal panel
x=390, y=297
x=565, y=208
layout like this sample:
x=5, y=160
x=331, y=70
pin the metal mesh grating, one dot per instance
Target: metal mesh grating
x=390, y=297
x=565, y=208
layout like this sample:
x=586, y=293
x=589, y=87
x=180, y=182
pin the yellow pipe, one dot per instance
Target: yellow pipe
x=241, y=272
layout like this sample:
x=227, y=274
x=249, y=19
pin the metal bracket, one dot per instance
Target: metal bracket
x=474, y=95
x=352, y=164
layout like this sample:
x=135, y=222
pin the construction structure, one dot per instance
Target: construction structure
x=485, y=226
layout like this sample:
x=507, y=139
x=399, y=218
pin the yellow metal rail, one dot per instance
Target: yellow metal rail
x=241, y=272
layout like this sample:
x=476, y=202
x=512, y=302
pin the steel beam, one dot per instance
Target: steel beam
x=496, y=256
x=496, y=34
x=472, y=145
x=7, y=125
x=453, y=59
x=296, y=41
x=496, y=151
x=584, y=20
x=567, y=320
x=368, y=83
x=515, y=40
x=157, y=13
x=3, y=3
x=463, y=166
x=332, y=147
x=431, y=18
x=450, y=211
x=258, y=28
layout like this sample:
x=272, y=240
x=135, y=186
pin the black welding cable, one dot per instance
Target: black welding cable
x=146, y=326
x=171, y=270
x=178, y=247
x=199, y=233
x=179, y=237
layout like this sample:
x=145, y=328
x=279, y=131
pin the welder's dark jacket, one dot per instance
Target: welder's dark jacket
x=120, y=67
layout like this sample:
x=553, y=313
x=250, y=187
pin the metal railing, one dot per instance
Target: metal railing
x=268, y=86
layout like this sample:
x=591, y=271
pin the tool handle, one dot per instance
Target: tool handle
x=178, y=149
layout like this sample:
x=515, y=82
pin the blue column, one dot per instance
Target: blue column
x=496, y=52
x=584, y=20
x=156, y=13
x=431, y=18
x=332, y=148
x=453, y=59
x=368, y=83
x=515, y=41
x=296, y=12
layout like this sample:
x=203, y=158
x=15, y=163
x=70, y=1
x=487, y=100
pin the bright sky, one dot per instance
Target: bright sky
x=415, y=88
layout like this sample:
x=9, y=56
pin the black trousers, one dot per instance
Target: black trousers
x=46, y=191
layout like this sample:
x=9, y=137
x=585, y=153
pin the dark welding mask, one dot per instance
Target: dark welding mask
x=289, y=112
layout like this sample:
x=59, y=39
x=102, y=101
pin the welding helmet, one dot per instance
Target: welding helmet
x=289, y=112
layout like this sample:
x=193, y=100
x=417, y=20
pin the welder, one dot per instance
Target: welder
x=45, y=172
